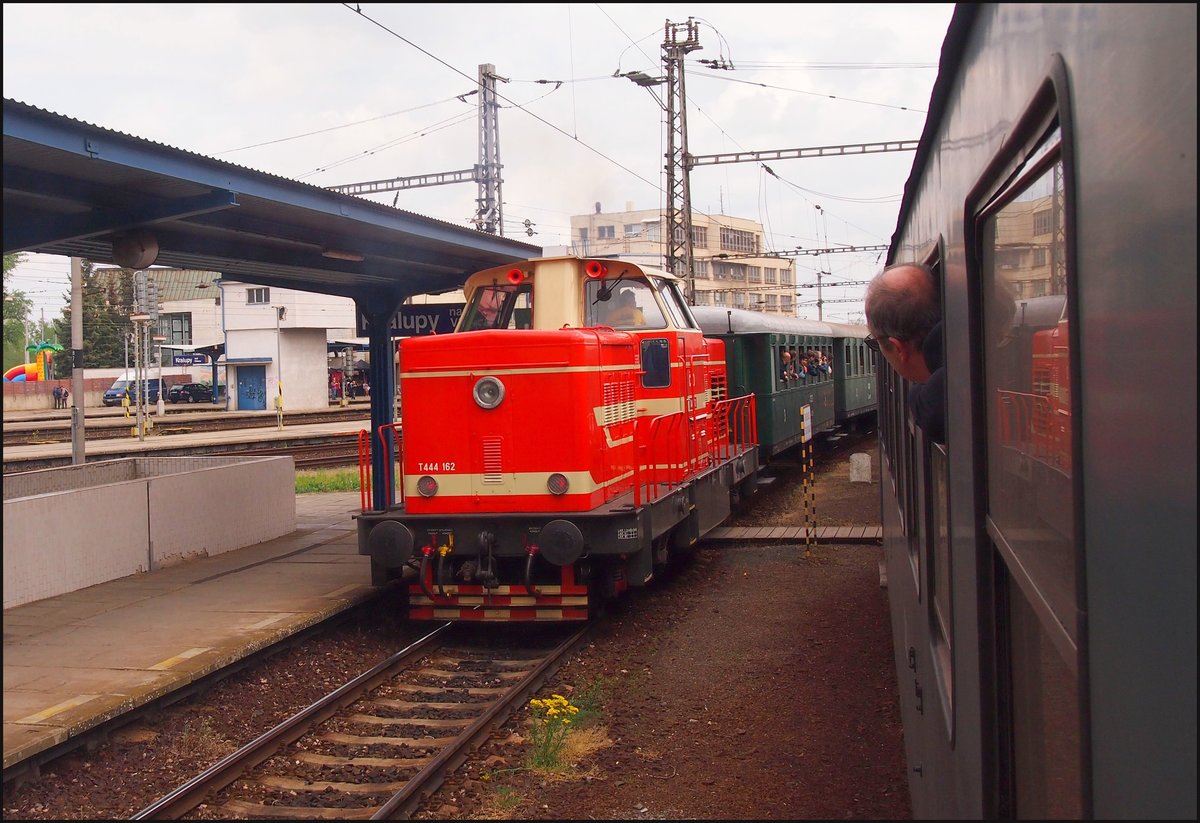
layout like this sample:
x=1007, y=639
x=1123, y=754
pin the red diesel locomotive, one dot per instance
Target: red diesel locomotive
x=568, y=439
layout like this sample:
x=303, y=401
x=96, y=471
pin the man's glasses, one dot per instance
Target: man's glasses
x=871, y=342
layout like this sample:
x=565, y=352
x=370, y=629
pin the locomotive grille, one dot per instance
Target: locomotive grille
x=618, y=402
x=717, y=386
x=492, y=460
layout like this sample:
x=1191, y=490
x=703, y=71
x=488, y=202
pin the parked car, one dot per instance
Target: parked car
x=122, y=388
x=190, y=393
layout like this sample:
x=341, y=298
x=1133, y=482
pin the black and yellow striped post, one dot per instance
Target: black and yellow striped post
x=810, y=505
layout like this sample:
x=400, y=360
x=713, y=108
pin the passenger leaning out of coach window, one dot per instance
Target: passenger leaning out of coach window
x=904, y=316
x=788, y=367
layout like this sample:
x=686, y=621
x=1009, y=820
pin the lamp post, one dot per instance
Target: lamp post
x=162, y=409
x=218, y=399
x=280, y=313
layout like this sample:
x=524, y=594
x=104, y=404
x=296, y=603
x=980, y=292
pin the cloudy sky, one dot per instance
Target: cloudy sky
x=331, y=94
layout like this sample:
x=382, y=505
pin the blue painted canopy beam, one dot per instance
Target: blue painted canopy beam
x=64, y=228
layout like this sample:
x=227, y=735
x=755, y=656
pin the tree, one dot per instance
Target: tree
x=17, y=307
x=107, y=304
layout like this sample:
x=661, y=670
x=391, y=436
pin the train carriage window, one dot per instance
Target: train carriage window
x=1023, y=236
x=1027, y=361
x=940, y=605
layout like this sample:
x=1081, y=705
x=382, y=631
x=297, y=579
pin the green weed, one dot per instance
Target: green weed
x=314, y=481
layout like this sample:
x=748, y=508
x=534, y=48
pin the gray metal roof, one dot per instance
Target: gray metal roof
x=71, y=187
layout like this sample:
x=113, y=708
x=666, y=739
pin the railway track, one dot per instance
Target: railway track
x=376, y=747
x=114, y=427
x=332, y=452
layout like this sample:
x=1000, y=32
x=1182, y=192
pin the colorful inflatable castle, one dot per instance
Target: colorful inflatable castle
x=39, y=369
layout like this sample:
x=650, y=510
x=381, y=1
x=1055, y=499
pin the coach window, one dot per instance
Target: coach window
x=939, y=562
x=1028, y=362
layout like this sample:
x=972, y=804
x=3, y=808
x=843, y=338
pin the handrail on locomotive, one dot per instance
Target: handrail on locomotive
x=734, y=424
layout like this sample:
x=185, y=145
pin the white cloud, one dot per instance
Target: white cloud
x=210, y=78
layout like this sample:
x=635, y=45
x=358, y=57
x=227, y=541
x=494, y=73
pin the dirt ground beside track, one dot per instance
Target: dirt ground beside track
x=757, y=684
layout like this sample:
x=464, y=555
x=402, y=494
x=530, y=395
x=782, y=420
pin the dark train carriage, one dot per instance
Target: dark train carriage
x=854, y=365
x=1041, y=564
x=790, y=410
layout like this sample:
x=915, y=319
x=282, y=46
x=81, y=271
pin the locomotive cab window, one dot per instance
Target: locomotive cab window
x=623, y=304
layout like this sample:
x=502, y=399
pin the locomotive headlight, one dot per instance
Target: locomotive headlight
x=488, y=392
x=427, y=486
x=557, y=483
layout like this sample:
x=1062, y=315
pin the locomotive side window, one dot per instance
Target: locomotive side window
x=497, y=306
x=656, y=363
x=1027, y=358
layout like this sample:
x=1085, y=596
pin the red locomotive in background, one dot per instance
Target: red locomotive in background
x=570, y=437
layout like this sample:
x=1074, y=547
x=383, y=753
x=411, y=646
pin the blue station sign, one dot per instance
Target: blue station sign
x=416, y=321
x=194, y=359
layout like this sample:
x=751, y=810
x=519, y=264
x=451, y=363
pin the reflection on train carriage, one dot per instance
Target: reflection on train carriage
x=1032, y=412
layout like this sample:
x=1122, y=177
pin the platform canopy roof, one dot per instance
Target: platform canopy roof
x=78, y=190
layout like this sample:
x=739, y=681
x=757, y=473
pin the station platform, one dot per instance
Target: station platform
x=74, y=661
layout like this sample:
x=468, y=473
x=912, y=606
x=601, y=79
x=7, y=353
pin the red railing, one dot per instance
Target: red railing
x=665, y=456
x=659, y=456
x=364, y=468
x=364, y=464
x=735, y=426
x=398, y=445
x=1030, y=424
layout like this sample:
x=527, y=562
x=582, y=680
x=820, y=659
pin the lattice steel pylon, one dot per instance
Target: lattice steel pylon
x=489, y=204
x=489, y=211
x=678, y=40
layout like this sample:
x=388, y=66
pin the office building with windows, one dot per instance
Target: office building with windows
x=724, y=249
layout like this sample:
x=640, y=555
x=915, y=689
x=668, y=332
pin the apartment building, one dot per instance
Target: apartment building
x=727, y=272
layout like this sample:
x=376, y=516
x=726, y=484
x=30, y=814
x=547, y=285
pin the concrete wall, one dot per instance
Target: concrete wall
x=69, y=528
x=38, y=394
